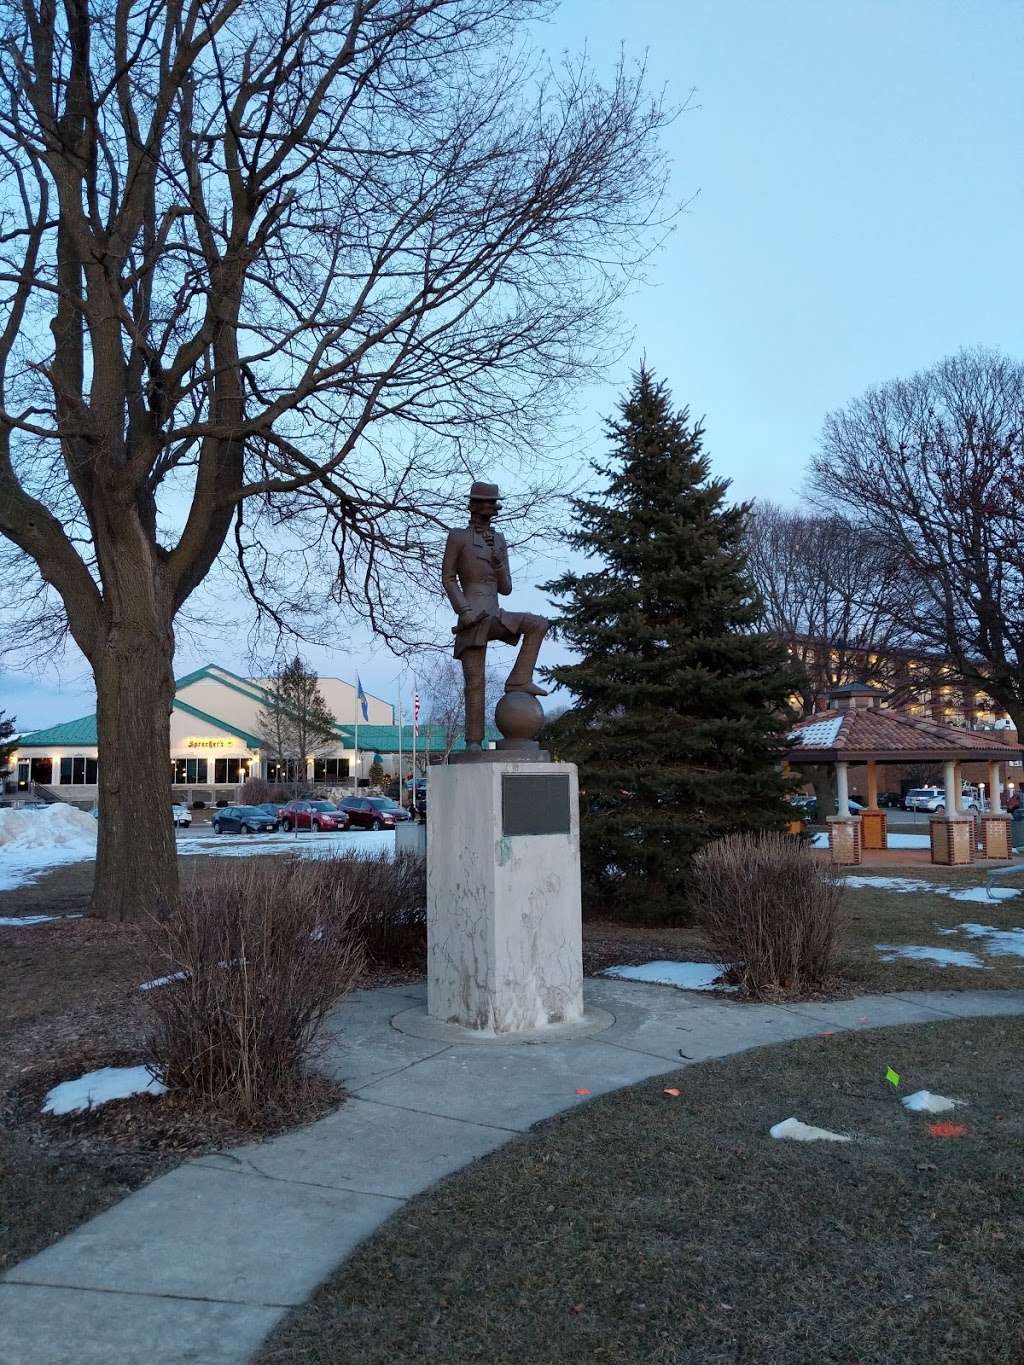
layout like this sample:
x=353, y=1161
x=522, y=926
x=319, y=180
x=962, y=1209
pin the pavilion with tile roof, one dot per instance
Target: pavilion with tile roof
x=856, y=729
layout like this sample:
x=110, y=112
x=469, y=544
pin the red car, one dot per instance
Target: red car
x=372, y=812
x=314, y=815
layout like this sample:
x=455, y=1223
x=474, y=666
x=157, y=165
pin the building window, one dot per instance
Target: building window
x=288, y=770
x=42, y=771
x=228, y=770
x=188, y=771
x=78, y=772
x=330, y=769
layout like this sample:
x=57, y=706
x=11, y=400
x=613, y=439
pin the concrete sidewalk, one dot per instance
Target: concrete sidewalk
x=200, y=1264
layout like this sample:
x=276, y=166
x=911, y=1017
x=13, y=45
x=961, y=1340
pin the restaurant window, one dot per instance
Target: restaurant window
x=228, y=770
x=330, y=769
x=78, y=772
x=42, y=771
x=189, y=771
x=288, y=770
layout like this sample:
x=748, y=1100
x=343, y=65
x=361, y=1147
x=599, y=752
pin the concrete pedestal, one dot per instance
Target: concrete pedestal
x=504, y=920
x=995, y=836
x=952, y=839
x=844, y=839
x=873, y=829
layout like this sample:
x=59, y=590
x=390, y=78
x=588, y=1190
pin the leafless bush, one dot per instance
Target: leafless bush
x=257, y=955
x=255, y=792
x=388, y=899
x=769, y=910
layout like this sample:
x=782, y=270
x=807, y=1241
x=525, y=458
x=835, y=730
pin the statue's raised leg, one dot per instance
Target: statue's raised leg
x=533, y=629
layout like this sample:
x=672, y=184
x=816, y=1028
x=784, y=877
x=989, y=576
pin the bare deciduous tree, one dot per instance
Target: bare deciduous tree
x=828, y=591
x=444, y=704
x=933, y=468
x=280, y=270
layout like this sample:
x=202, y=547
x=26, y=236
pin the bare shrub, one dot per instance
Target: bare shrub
x=257, y=954
x=769, y=910
x=388, y=897
x=255, y=792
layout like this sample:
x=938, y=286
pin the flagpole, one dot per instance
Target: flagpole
x=355, y=780
x=401, y=774
x=415, y=726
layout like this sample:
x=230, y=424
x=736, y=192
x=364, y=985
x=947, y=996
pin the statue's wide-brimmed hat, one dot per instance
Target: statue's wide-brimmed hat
x=484, y=492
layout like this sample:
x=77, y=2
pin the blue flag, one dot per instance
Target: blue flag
x=361, y=698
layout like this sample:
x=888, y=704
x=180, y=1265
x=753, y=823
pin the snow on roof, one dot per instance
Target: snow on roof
x=819, y=734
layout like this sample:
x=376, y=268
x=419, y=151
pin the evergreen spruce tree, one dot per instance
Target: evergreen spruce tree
x=680, y=706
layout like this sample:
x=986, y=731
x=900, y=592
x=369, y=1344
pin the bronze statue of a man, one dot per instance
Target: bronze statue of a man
x=475, y=570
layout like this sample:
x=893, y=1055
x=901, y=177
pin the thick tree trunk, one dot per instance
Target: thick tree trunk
x=136, y=858
x=821, y=778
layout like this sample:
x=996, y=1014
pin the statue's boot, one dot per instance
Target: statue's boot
x=529, y=687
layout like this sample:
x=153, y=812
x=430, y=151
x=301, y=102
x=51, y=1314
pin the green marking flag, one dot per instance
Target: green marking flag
x=892, y=1076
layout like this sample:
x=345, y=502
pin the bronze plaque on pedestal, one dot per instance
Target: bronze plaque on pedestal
x=535, y=803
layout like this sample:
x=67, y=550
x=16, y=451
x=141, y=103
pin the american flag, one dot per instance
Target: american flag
x=415, y=713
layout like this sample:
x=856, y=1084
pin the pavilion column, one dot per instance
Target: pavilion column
x=995, y=823
x=995, y=789
x=952, y=833
x=844, y=828
x=873, y=822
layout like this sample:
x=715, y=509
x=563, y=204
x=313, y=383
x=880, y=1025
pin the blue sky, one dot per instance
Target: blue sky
x=854, y=172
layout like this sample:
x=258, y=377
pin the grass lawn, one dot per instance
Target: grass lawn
x=646, y=1228
x=867, y=917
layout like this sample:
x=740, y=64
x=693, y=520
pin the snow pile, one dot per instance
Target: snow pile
x=687, y=976
x=97, y=1087
x=804, y=1132
x=33, y=841
x=917, y=952
x=924, y=1102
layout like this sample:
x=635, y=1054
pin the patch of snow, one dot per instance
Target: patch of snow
x=924, y=1102
x=981, y=895
x=163, y=981
x=687, y=976
x=820, y=734
x=805, y=1132
x=820, y=840
x=908, y=841
x=916, y=952
x=34, y=841
x=905, y=885
x=15, y=920
x=901, y=885
x=996, y=942
x=303, y=845
x=98, y=1087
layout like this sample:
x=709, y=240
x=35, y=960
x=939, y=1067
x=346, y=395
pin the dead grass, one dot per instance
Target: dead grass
x=677, y=1232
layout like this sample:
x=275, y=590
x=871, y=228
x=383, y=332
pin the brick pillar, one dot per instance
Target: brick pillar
x=996, y=840
x=952, y=839
x=844, y=839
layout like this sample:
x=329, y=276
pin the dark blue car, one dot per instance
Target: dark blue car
x=243, y=820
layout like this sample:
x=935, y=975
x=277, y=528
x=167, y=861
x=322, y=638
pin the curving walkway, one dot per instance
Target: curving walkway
x=199, y=1265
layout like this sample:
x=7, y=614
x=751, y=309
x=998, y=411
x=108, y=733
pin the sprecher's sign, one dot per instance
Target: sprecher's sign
x=199, y=742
